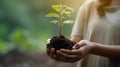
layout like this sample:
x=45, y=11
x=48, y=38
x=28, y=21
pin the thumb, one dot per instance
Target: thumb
x=77, y=46
x=80, y=44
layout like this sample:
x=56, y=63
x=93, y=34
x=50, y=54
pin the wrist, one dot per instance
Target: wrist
x=93, y=47
x=90, y=46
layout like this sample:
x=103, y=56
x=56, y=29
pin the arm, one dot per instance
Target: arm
x=84, y=47
x=87, y=47
x=106, y=50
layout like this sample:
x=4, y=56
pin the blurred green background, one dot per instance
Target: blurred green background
x=23, y=24
x=24, y=27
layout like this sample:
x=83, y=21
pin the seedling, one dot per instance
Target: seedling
x=63, y=12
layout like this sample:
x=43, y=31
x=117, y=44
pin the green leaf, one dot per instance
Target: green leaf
x=54, y=21
x=68, y=21
x=56, y=7
x=67, y=8
x=52, y=15
x=70, y=9
x=68, y=13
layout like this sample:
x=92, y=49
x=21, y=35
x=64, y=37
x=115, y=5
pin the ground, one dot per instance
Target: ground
x=18, y=59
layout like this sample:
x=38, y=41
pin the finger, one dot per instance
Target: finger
x=84, y=42
x=67, y=56
x=52, y=53
x=76, y=46
x=56, y=58
x=71, y=52
x=47, y=41
x=48, y=51
x=48, y=46
x=70, y=60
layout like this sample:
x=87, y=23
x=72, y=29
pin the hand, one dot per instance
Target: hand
x=51, y=51
x=80, y=50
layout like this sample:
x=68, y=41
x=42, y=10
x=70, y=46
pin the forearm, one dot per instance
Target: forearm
x=106, y=50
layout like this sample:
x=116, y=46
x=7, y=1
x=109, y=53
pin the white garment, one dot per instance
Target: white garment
x=104, y=30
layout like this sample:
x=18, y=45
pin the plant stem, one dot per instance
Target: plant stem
x=60, y=21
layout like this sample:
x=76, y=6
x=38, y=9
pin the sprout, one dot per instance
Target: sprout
x=62, y=13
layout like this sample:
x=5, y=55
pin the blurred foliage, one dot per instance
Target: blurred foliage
x=23, y=25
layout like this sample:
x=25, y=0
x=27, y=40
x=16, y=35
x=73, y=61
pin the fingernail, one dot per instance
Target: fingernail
x=57, y=51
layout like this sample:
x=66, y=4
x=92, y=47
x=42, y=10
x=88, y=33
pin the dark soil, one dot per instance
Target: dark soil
x=60, y=42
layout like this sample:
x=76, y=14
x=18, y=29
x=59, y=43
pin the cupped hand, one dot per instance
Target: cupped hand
x=80, y=50
x=51, y=51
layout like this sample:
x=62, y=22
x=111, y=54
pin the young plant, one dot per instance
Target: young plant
x=63, y=12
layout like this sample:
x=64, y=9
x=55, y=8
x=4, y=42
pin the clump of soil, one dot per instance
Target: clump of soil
x=59, y=42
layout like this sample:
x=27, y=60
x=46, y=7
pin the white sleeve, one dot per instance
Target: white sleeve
x=78, y=26
x=81, y=19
